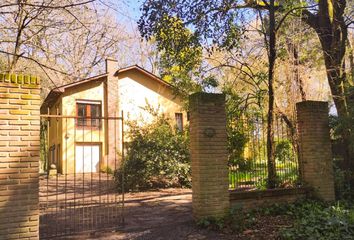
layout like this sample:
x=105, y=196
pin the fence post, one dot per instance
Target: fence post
x=19, y=156
x=208, y=149
x=315, y=158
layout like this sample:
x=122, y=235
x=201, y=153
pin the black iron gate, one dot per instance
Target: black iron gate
x=78, y=191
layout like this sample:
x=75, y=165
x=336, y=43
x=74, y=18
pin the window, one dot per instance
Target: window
x=179, y=121
x=89, y=114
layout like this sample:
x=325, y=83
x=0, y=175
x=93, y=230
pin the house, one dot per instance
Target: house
x=85, y=132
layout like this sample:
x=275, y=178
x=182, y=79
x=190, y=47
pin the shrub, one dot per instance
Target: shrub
x=314, y=220
x=107, y=169
x=157, y=156
x=236, y=142
x=284, y=151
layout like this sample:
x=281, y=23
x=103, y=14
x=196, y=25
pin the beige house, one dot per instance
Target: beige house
x=85, y=131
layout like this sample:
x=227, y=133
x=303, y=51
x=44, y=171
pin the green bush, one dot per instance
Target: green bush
x=157, y=156
x=284, y=151
x=236, y=142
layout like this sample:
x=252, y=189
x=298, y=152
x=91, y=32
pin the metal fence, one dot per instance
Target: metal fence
x=248, y=165
x=77, y=187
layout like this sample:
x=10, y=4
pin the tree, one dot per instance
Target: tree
x=331, y=25
x=221, y=23
x=180, y=54
x=61, y=39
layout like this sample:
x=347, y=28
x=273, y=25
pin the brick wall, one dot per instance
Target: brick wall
x=315, y=158
x=19, y=156
x=261, y=198
x=210, y=197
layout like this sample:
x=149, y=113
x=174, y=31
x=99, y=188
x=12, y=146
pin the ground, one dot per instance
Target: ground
x=167, y=214
x=159, y=214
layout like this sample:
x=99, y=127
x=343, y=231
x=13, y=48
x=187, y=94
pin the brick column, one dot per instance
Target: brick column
x=208, y=155
x=19, y=156
x=315, y=148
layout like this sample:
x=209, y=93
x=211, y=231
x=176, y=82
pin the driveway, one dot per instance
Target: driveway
x=163, y=214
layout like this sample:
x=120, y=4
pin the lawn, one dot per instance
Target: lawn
x=256, y=176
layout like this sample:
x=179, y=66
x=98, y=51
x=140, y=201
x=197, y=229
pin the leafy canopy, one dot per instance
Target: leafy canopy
x=181, y=53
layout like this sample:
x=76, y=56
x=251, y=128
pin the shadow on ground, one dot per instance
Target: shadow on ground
x=164, y=214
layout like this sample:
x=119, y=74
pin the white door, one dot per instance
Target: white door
x=87, y=158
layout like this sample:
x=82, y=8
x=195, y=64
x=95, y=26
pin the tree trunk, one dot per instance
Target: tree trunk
x=351, y=60
x=16, y=51
x=296, y=65
x=332, y=31
x=272, y=175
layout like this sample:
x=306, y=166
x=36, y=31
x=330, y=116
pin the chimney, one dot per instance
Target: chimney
x=112, y=110
x=111, y=66
x=112, y=87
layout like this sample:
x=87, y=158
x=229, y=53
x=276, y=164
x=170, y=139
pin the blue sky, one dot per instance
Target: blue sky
x=134, y=6
x=132, y=9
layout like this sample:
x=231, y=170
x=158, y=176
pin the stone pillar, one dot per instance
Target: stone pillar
x=112, y=111
x=315, y=160
x=19, y=156
x=208, y=149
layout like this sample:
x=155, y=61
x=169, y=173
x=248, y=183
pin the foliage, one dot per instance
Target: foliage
x=343, y=173
x=236, y=131
x=181, y=53
x=157, y=156
x=339, y=124
x=315, y=220
x=107, y=169
x=236, y=140
x=236, y=220
x=181, y=57
x=284, y=151
x=343, y=188
x=311, y=219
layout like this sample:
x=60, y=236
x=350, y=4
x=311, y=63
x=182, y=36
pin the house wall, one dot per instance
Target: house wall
x=136, y=91
x=71, y=135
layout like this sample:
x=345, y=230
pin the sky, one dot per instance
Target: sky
x=133, y=6
x=129, y=10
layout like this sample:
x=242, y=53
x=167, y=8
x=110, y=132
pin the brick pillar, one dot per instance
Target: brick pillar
x=19, y=156
x=315, y=148
x=208, y=155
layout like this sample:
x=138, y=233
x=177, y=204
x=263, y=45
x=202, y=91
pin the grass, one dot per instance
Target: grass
x=256, y=176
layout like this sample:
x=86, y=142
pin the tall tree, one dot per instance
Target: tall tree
x=221, y=22
x=331, y=25
x=61, y=40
